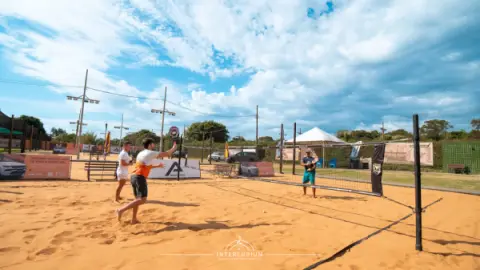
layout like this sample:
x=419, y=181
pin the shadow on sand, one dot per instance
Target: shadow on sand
x=209, y=225
x=172, y=204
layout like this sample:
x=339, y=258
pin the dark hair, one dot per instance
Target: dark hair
x=125, y=143
x=146, y=142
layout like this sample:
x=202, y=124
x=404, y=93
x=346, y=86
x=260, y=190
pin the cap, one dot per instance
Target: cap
x=308, y=151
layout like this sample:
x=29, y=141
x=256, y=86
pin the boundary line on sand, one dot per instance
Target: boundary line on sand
x=350, y=246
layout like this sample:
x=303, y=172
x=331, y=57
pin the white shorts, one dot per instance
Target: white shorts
x=122, y=177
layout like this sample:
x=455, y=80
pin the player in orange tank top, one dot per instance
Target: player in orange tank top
x=140, y=174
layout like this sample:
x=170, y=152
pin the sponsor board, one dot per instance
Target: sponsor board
x=402, y=153
x=20, y=166
x=188, y=169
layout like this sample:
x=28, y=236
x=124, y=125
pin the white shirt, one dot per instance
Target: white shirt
x=123, y=170
x=147, y=156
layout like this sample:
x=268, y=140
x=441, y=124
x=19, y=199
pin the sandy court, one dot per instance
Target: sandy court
x=190, y=224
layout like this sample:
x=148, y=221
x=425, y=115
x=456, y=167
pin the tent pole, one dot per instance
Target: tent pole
x=323, y=155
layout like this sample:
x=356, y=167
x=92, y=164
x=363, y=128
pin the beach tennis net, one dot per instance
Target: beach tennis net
x=350, y=168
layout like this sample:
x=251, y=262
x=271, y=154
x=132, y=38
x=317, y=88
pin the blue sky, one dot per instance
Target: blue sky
x=331, y=64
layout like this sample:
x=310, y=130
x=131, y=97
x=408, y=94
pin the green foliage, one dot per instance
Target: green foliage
x=266, y=139
x=64, y=138
x=435, y=129
x=400, y=134
x=33, y=121
x=475, y=123
x=199, y=131
x=136, y=138
x=458, y=135
x=238, y=139
x=474, y=134
x=88, y=138
x=57, y=131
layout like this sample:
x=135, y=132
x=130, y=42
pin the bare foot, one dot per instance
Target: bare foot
x=119, y=215
x=135, y=221
x=314, y=197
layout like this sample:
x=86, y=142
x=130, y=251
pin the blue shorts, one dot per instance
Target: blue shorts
x=309, y=177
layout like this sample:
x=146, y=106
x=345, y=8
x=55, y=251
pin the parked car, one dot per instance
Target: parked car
x=183, y=154
x=11, y=169
x=243, y=157
x=216, y=156
x=59, y=150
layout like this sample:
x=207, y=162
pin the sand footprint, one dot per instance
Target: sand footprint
x=28, y=238
x=62, y=237
x=46, y=251
x=7, y=249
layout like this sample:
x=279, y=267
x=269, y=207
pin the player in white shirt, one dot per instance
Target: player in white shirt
x=122, y=171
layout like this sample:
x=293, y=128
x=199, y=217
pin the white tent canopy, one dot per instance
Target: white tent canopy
x=316, y=135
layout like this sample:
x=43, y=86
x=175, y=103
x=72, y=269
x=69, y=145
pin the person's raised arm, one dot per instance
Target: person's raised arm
x=169, y=152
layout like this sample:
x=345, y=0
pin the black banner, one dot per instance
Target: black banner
x=377, y=168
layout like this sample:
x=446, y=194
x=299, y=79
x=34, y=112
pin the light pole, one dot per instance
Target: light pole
x=121, y=127
x=162, y=112
x=77, y=123
x=84, y=99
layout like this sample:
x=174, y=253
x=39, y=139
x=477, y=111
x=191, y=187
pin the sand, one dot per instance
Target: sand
x=190, y=225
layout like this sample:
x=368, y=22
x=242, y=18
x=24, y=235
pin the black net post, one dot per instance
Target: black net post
x=418, y=182
x=179, y=158
x=211, y=146
x=10, y=139
x=294, y=161
x=203, y=145
x=24, y=136
x=281, y=148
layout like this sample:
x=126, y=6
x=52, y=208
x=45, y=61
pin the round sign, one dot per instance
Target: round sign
x=174, y=133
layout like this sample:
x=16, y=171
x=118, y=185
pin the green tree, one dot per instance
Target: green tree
x=88, y=138
x=136, y=138
x=238, y=139
x=343, y=134
x=199, y=131
x=57, y=131
x=33, y=121
x=399, y=134
x=265, y=139
x=458, y=135
x=363, y=135
x=64, y=138
x=475, y=124
x=435, y=129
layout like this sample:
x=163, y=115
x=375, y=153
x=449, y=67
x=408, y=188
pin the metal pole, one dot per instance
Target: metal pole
x=203, y=144
x=257, y=127
x=10, y=140
x=211, y=145
x=281, y=148
x=160, y=147
x=418, y=182
x=294, y=147
x=121, y=130
x=179, y=158
x=106, y=127
x=81, y=115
